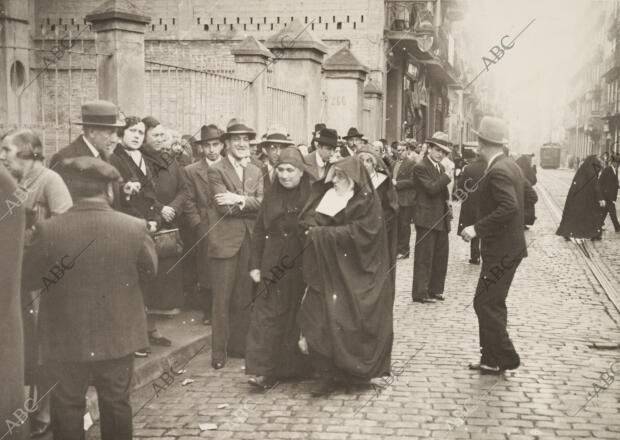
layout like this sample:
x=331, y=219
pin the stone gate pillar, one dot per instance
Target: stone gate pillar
x=252, y=59
x=121, y=76
x=298, y=55
x=373, y=99
x=344, y=86
x=15, y=77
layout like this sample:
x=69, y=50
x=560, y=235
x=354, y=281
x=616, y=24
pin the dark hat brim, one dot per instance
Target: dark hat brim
x=117, y=124
x=326, y=141
x=226, y=135
x=445, y=148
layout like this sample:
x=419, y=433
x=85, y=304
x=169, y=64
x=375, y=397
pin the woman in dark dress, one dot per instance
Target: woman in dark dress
x=584, y=204
x=346, y=314
x=138, y=198
x=276, y=264
x=166, y=290
x=381, y=178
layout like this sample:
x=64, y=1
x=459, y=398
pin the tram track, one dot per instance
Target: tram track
x=591, y=256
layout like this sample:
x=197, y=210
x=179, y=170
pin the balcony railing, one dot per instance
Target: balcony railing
x=611, y=65
x=412, y=16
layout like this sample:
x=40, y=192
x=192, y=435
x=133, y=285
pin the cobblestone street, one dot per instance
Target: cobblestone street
x=556, y=311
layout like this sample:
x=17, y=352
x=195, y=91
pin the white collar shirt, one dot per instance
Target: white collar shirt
x=91, y=147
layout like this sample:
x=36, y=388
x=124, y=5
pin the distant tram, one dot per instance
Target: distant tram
x=550, y=155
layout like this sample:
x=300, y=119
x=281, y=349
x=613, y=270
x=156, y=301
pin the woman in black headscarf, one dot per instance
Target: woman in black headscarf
x=584, y=204
x=346, y=313
x=381, y=178
x=276, y=262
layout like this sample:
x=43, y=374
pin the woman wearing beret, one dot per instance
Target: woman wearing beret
x=276, y=265
x=346, y=314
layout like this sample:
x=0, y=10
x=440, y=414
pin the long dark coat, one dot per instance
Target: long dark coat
x=346, y=314
x=94, y=311
x=469, y=183
x=277, y=250
x=582, y=214
x=166, y=291
x=12, y=346
x=609, y=184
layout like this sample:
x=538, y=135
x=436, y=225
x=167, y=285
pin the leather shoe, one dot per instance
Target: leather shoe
x=262, y=382
x=474, y=261
x=424, y=300
x=485, y=369
x=217, y=364
x=438, y=297
x=402, y=256
x=160, y=340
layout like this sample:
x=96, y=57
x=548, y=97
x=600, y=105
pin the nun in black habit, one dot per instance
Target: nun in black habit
x=584, y=204
x=346, y=314
x=276, y=265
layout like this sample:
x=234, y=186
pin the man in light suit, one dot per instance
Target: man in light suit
x=237, y=188
x=431, y=216
x=500, y=228
x=92, y=317
x=196, y=209
x=319, y=160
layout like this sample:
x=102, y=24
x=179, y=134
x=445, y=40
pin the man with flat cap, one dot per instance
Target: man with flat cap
x=91, y=310
x=353, y=142
x=500, y=228
x=237, y=193
x=100, y=120
x=197, y=205
x=431, y=216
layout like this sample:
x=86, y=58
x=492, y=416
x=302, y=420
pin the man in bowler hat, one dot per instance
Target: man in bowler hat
x=319, y=160
x=92, y=316
x=500, y=228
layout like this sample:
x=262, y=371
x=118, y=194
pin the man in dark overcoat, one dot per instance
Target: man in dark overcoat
x=237, y=188
x=431, y=216
x=92, y=317
x=609, y=187
x=402, y=171
x=12, y=228
x=196, y=208
x=500, y=228
x=467, y=191
x=100, y=120
x=319, y=160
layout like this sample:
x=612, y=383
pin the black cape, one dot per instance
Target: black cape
x=277, y=249
x=346, y=314
x=582, y=214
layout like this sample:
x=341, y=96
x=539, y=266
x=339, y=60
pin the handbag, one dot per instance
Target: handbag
x=168, y=243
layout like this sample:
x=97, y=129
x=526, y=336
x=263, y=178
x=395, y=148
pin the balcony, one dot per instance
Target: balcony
x=412, y=16
x=611, y=66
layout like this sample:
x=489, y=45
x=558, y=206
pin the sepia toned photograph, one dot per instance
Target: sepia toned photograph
x=309, y=219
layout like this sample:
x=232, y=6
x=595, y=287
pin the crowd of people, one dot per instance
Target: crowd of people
x=289, y=251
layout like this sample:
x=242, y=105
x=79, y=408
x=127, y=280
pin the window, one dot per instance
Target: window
x=339, y=25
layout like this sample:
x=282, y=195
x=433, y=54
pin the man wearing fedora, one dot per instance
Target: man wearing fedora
x=92, y=316
x=237, y=192
x=405, y=189
x=197, y=206
x=431, y=216
x=317, y=129
x=319, y=160
x=100, y=120
x=274, y=141
x=500, y=228
x=353, y=141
